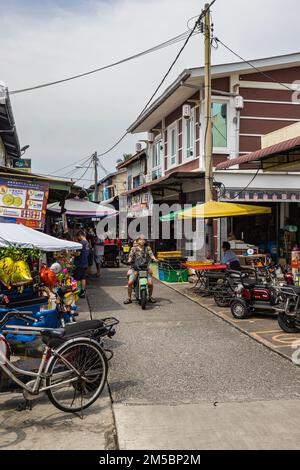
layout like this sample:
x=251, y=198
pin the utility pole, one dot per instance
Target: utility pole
x=207, y=97
x=95, y=161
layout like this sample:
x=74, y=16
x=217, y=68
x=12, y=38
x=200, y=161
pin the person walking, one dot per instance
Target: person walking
x=81, y=263
x=98, y=253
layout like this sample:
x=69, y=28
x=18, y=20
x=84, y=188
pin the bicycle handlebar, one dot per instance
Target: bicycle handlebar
x=16, y=314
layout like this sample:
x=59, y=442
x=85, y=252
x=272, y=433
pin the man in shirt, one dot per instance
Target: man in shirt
x=98, y=254
x=230, y=257
x=82, y=262
x=140, y=255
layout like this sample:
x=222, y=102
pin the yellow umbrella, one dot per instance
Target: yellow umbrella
x=214, y=209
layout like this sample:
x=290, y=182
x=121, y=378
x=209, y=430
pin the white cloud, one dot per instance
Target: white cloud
x=68, y=121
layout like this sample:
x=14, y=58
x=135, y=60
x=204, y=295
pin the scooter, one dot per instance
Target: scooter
x=251, y=297
x=289, y=317
x=141, y=287
x=225, y=290
x=125, y=250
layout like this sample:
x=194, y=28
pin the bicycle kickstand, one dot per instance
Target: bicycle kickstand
x=24, y=405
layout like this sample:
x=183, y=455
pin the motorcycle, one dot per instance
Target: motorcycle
x=252, y=296
x=289, y=316
x=125, y=250
x=225, y=290
x=141, y=287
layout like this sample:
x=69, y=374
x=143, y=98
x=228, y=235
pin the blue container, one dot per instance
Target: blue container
x=161, y=274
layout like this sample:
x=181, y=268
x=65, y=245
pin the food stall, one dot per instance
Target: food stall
x=23, y=283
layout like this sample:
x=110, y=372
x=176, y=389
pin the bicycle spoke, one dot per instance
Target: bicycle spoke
x=90, y=363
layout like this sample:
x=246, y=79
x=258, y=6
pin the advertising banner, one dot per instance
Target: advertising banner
x=23, y=164
x=140, y=205
x=23, y=202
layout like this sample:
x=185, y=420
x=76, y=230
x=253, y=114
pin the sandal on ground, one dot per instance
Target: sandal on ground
x=128, y=301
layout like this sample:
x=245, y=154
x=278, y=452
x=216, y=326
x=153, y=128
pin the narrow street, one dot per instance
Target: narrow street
x=183, y=378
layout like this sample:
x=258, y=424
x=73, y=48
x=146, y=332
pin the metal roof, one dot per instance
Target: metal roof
x=172, y=178
x=259, y=155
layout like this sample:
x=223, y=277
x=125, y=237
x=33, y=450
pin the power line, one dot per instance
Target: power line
x=246, y=187
x=162, y=45
x=84, y=173
x=253, y=66
x=192, y=31
x=68, y=166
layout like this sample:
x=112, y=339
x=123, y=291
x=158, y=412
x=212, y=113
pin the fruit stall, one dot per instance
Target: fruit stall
x=28, y=284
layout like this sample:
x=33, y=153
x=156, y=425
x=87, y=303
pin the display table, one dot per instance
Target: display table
x=207, y=275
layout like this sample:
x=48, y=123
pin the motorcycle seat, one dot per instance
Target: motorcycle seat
x=249, y=283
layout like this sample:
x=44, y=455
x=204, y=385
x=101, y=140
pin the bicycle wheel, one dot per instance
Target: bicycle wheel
x=74, y=392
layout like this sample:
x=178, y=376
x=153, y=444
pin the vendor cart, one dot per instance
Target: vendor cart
x=111, y=256
x=29, y=296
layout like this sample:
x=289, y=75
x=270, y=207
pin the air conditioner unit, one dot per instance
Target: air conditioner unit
x=186, y=111
x=138, y=147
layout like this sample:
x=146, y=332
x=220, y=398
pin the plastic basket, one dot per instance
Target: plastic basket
x=174, y=275
x=161, y=274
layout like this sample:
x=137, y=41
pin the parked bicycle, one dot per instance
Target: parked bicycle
x=73, y=367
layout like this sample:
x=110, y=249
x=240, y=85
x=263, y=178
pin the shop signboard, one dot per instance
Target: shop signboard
x=23, y=164
x=258, y=195
x=140, y=205
x=23, y=202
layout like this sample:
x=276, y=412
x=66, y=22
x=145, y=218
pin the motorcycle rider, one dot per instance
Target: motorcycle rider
x=140, y=254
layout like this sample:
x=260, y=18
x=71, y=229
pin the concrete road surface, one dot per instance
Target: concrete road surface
x=182, y=378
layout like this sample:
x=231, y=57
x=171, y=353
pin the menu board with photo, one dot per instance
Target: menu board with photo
x=23, y=202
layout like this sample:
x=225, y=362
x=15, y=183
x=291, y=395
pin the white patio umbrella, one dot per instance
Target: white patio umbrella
x=82, y=207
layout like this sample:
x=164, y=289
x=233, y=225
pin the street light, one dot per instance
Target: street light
x=23, y=149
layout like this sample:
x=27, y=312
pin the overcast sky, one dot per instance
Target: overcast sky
x=48, y=40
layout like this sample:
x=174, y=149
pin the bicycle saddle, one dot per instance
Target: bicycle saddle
x=71, y=329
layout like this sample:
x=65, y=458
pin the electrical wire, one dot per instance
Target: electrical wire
x=253, y=66
x=192, y=31
x=162, y=45
x=86, y=170
x=246, y=187
x=68, y=166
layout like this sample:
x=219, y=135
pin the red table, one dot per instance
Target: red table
x=203, y=284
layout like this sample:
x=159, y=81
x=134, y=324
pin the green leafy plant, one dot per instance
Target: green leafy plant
x=19, y=254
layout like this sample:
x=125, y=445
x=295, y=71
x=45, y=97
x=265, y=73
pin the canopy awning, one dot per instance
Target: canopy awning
x=215, y=210
x=25, y=237
x=171, y=216
x=82, y=207
x=279, y=157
